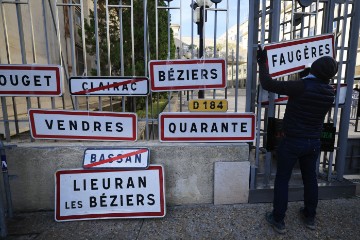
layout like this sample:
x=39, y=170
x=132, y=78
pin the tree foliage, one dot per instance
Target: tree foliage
x=115, y=36
x=123, y=37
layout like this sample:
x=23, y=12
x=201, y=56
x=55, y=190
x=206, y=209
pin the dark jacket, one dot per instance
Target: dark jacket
x=309, y=101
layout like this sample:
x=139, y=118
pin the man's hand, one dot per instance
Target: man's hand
x=261, y=55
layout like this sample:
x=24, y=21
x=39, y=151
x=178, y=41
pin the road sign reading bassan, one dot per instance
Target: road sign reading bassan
x=124, y=158
x=109, y=86
x=207, y=127
x=82, y=125
x=30, y=80
x=293, y=56
x=174, y=75
x=109, y=193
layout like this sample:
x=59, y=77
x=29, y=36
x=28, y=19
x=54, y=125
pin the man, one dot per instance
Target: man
x=310, y=98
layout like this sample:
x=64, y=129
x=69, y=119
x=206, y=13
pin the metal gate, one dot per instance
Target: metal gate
x=84, y=39
x=274, y=21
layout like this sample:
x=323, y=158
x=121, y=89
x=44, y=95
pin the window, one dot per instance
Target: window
x=80, y=60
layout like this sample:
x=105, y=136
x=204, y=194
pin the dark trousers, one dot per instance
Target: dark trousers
x=290, y=150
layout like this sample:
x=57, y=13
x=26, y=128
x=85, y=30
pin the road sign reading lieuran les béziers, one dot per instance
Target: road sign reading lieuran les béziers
x=293, y=56
x=174, y=75
x=109, y=193
x=109, y=86
x=122, y=158
x=30, y=80
x=207, y=127
x=82, y=125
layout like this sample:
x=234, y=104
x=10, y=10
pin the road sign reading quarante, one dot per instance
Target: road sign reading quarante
x=208, y=105
x=30, y=80
x=109, y=193
x=293, y=56
x=82, y=125
x=207, y=127
x=109, y=86
x=122, y=158
x=174, y=75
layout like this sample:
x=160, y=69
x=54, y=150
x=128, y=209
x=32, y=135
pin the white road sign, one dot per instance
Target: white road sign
x=109, y=86
x=174, y=75
x=207, y=127
x=30, y=80
x=82, y=125
x=109, y=193
x=124, y=158
x=293, y=56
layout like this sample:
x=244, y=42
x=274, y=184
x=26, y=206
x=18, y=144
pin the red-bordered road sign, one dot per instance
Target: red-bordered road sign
x=293, y=56
x=109, y=193
x=121, y=158
x=207, y=127
x=109, y=86
x=82, y=125
x=175, y=75
x=30, y=80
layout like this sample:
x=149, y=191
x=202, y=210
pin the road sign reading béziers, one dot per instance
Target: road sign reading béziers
x=30, y=80
x=293, y=56
x=109, y=193
x=174, y=75
x=82, y=125
x=109, y=86
x=207, y=127
x=124, y=158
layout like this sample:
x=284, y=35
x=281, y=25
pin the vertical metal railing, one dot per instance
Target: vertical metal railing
x=309, y=19
x=150, y=120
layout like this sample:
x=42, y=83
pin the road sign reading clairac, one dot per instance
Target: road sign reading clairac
x=293, y=56
x=208, y=105
x=30, y=80
x=109, y=86
x=175, y=75
x=207, y=127
x=121, y=158
x=109, y=193
x=82, y=125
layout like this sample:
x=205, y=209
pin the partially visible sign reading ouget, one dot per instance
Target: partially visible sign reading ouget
x=109, y=193
x=293, y=56
x=30, y=80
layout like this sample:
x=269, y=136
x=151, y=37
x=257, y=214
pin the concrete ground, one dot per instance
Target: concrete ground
x=336, y=219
